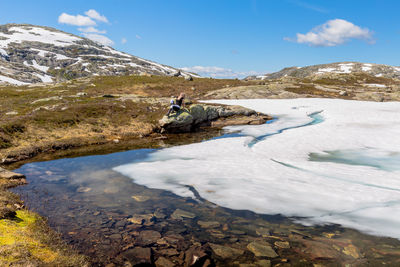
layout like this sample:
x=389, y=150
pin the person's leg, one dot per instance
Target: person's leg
x=169, y=111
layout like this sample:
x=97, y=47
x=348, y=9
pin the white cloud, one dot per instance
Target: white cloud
x=332, y=33
x=124, y=41
x=88, y=21
x=218, y=72
x=96, y=16
x=104, y=40
x=91, y=29
x=77, y=20
x=138, y=37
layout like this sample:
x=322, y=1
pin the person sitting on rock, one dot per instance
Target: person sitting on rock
x=177, y=104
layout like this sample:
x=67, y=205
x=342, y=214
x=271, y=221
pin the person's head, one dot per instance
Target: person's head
x=181, y=95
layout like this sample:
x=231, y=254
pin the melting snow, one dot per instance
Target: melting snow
x=346, y=68
x=326, y=70
x=36, y=34
x=375, y=85
x=45, y=78
x=61, y=57
x=113, y=51
x=366, y=67
x=275, y=175
x=37, y=66
x=3, y=52
x=11, y=80
x=41, y=53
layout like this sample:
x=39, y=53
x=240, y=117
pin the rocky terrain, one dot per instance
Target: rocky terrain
x=358, y=86
x=35, y=54
x=326, y=70
x=188, y=119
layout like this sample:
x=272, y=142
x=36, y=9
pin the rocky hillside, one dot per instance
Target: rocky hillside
x=377, y=70
x=35, y=54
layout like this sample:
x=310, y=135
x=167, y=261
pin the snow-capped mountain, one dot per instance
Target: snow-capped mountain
x=34, y=54
x=377, y=70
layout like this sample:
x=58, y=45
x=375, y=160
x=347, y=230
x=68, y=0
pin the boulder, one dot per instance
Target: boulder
x=198, y=113
x=177, y=74
x=234, y=110
x=182, y=121
x=211, y=112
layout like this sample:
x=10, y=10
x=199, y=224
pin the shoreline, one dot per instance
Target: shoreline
x=10, y=179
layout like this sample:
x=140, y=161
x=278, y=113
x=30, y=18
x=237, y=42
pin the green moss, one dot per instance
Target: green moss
x=24, y=240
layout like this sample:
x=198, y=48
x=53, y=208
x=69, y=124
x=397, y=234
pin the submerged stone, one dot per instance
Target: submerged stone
x=226, y=252
x=262, y=249
x=282, y=244
x=209, y=224
x=148, y=237
x=139, y=198
x=139, y=256
x=180, y=214
x=164, y=262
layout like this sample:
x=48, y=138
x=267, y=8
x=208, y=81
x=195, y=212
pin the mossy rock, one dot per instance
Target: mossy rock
x=182, y=121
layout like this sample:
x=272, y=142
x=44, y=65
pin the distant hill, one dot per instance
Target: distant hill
x=377, y=70
x=35, y=54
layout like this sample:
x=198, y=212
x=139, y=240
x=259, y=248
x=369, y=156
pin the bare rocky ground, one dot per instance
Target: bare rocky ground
x=357, y=86
x=80, y=115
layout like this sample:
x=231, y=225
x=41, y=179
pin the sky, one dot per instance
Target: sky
x=227, y=38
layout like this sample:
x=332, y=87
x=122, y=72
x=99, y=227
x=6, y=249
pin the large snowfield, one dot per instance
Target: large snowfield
x=344, y=168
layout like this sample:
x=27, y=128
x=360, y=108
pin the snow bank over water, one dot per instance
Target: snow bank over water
x=341, y=170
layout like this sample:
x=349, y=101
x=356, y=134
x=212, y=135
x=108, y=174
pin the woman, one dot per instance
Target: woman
x=179, y=103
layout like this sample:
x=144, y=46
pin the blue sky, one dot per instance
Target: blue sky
x=228, y=37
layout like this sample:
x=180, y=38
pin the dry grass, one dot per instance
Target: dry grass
x=309, y=89
x=160, y=86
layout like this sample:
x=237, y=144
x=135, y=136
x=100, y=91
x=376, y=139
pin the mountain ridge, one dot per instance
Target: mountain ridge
x=34, y=54
x=331, y=69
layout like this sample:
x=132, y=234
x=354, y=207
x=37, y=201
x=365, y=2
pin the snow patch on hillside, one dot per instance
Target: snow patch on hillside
x=37, y=34
x=11, y=80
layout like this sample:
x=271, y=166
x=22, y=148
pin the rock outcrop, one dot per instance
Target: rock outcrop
x=188, y=119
